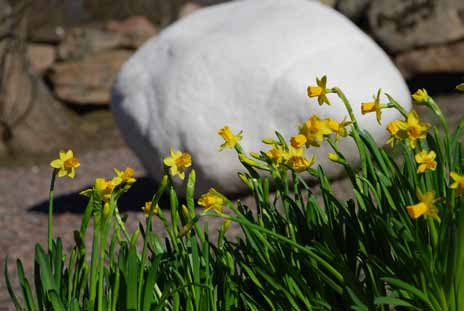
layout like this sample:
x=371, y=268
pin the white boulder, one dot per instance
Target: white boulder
x=246, y=64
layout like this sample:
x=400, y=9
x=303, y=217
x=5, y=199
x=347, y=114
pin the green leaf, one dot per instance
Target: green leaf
x=131, y=281
x=46, y=277
x=392, y=301
x=148, y=297
x=409, y=288
x=55, y=300
x=9, y=287
x=26, y=288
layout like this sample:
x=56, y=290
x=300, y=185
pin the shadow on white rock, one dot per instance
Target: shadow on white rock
x=246, y=64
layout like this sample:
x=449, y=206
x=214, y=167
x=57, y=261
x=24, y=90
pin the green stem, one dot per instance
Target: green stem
x=337, y=275
x=348, y=107
x=154, y=202
x=50, y=211
x=93, y=262
x=101, y=262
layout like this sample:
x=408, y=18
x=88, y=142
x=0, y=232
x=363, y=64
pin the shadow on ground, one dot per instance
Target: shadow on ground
x=75, y=203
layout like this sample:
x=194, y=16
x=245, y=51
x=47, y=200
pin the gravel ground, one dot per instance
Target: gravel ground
x=24, y=196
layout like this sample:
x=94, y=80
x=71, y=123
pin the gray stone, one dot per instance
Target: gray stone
x=444, y=58
x=40, y=56
x=89, y=80
x=208, y=70
x=402, y=25
x=82, y=41
x=354, y=9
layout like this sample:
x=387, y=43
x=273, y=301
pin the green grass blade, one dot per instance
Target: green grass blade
x=13, y=296
x=26, y=288
x=132, y=273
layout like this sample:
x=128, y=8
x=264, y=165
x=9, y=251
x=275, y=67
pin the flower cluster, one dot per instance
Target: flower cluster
x=123, y=181
x=410, y=129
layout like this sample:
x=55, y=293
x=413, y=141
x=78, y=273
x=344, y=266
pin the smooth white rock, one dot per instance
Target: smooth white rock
x=246, y=64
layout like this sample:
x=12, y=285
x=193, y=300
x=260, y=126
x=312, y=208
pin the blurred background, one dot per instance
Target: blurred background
x=58, y=59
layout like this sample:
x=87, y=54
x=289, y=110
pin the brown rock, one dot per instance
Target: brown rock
x=88, y=81
x=40, y=56
x=134, y=31
x=402, y=25
x=353, y=9
x=31, y=120
x=188, y=8
x=446, y=58
x=330, y=3
x=48, y=35
x=82, y=41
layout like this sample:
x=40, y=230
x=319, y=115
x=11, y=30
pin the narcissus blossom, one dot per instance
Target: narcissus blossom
x=177, y=162
x=296, y=160
x=277, y=154
x=315, y=130
x=420, y=97
x=298, y=141
x=66, y=164
x=458, y=182
x=230, y=140
x=147, y=207
x=212, y=200
x=426, y=161
x=412, y=129
x=319, y=91
x=415, y=129
x=374, y=106
x=339, y=128
x=425, y=207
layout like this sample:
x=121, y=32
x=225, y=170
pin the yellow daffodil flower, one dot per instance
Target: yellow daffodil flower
x=412, y=129
x=425, y=207
x=102, y=186
x=415, y=129
x=458, y=182
x=298, y=141
x=460, y=87
x=277, y=154
x=147, y=207
x=420, y=97
x=426, y=161
x=127, y=175
x=319, y=91
x=212, y=200
x=374, y=106
x=105, y=187
x=338, y=128
x=296, y=160
x=397, y=131
x=66, y=164
x=177, y=162
x=230, y=140
x=314, y=129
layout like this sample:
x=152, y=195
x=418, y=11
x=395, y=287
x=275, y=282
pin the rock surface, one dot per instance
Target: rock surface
x=207, y=71
x=40, y=56
x=134, y=30
x=88, y=81
x=402, y=25
x=31, y=120
x=352, y=9
x=444, y=58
